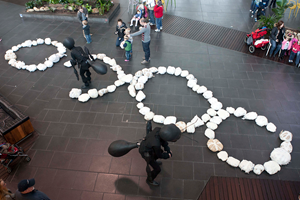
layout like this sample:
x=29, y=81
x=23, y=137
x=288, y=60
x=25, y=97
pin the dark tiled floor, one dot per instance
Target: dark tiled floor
x=70, y=159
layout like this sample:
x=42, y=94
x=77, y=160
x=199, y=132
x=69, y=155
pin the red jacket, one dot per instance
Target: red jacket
x=158, y=11
x=295, y=48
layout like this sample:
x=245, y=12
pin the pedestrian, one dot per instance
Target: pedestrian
x=273, y=2
x=276, y=37
x=130, y=39
x=260, y=12
x=128, y=48
x=82, y=14
x=5, y=194
x=150, y=148
x=255, y=6
x=158, y=12
x=294, y=52
x=120, y=29
x=150, y=4
x=86, y=31
x=136, y=18
x=27, y=191
x=145, y=32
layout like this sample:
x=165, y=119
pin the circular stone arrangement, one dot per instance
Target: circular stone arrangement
x=214, y=116
x=54, y=58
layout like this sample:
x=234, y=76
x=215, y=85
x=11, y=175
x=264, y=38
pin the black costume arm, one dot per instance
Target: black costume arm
x=73, y=63
x=87, y=51
x=166, y=146
x=158, y=152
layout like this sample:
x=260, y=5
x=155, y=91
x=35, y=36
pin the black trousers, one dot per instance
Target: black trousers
x=282, y=53
x=85, y=75
x=274, y=3
x=152, y=174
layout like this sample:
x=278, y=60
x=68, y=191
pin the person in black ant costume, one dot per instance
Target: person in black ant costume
x=83, y=59
x=150, y=148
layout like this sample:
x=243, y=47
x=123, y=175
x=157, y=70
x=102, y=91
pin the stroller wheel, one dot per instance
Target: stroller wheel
x=263, y=47
x=8, y=170
x=251, y=49
x=28, y=159
x=246, y=38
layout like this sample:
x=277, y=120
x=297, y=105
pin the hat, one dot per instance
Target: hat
x=25, y=184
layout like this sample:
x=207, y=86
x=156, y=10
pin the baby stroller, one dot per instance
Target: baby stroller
x=252, y=39
x=9, y=152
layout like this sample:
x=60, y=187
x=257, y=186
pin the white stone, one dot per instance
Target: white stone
x=75, y=93
x=195, y=88
x=271, y=127
x=54, y=58
x=111, y=88
x=197, y=121
x=68, y=64
x=31, y=68
x=192, y=83
x=214, y=145
x=162, y=70
x=178, y=71
x=190, y=77
x=209, y=133
x=212, y=100
x=138, y=73
x=184, y=73
x=216, y=106
x=170, y=120
x=41, y=67
x=250, y=116
x=171, y=70
x=246, y=166
x=205, y=117
x=127, y=78
x=258, y=169
x=223, y=114
x=119, y=83
x=149, y=116
x=190, y=127
x=144, y=110
x=47, y=41
x=159, y=119
x=153, y=69
x=140, y=96
x=100, y=56
x=139, y=86
x=84, y=97
x=286, y=136
x=143, y=79
x=211, y=125
x=40, y=41
x=182, y=126
x=140, y=105
x=93, y=93
x=281, y=156
x=240, y=112
x=222, y=155
x=216, y=119
x=211, y=112
x=102, y=92
x=233, y=161
x=208, y=94
x=201, y=89
x=261, y=121
x=287, y=146
x=272, y=167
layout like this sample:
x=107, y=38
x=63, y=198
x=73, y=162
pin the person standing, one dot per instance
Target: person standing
x=276, y=37
x=120, y=29
x=86, y=31
x=151, y=4
x=145, y=32
x=5, y=194
x=82, y=14
x=27, y=191
x=158, y=12
x=273, y=2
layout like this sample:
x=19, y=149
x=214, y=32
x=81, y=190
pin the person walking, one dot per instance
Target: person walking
x=150, y=4
x=273, y=2
x=276, y=37
x=82, y=14
x=27, y=191
x=145, y=32
x=158, y=12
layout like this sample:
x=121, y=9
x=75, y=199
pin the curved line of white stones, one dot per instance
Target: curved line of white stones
x=54, y=58
x=136, y=83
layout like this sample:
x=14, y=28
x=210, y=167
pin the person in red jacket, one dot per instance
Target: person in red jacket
x=158, y=12
x=295, y=50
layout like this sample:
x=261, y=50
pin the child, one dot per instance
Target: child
x=136, y=18
x=86, y=31
x=295, y=50
x=120, y=28
x=158, y=12
x=130, y=39
x=128, y=48
x=255, y=6
x=284, y=46
x=260, y=12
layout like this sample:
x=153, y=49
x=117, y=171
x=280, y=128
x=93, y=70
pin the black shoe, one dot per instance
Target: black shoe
x=159, y=162
x=154, y=183
x=85, y=87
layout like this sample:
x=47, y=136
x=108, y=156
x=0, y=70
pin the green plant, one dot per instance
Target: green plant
x=267, y=21
x=88, y=7
x=29, y=4
x=53, y=1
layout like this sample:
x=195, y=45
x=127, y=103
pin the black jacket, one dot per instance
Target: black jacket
x=275, y=33
x=80, y=57
x=120, y=30
x=152, y=144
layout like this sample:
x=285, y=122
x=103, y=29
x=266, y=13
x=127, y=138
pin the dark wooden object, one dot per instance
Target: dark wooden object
x=19, y=133
x=247, y=189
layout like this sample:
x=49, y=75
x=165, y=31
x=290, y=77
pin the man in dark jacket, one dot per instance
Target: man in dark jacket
x=26, y=191
x=120, y=28
x=82, y=14
x=150, y=148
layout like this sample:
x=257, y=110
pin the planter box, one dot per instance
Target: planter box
x=106, y=18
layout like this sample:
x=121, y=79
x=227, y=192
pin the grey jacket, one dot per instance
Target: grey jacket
x=145, y=31
x=79, y=14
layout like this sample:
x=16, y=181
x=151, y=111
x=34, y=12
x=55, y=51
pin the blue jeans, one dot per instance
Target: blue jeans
x=158, y=23
x=298, y=58
x=146, y=49
x=128, y=55
x=252, y=5
x=118, y=41
x=151, y=15
x=292, y=56
x=88, y=38
x=275, y=47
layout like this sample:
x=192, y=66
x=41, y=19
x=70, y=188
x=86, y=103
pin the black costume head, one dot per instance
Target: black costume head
x=69, y=43
x=170, y=133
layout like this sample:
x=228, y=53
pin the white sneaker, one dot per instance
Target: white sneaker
x=290, y=61
x=156, y=30
x=252, y=16
x=250, y=10
x=131, y=25
x=151, y=24
x=161, y=28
